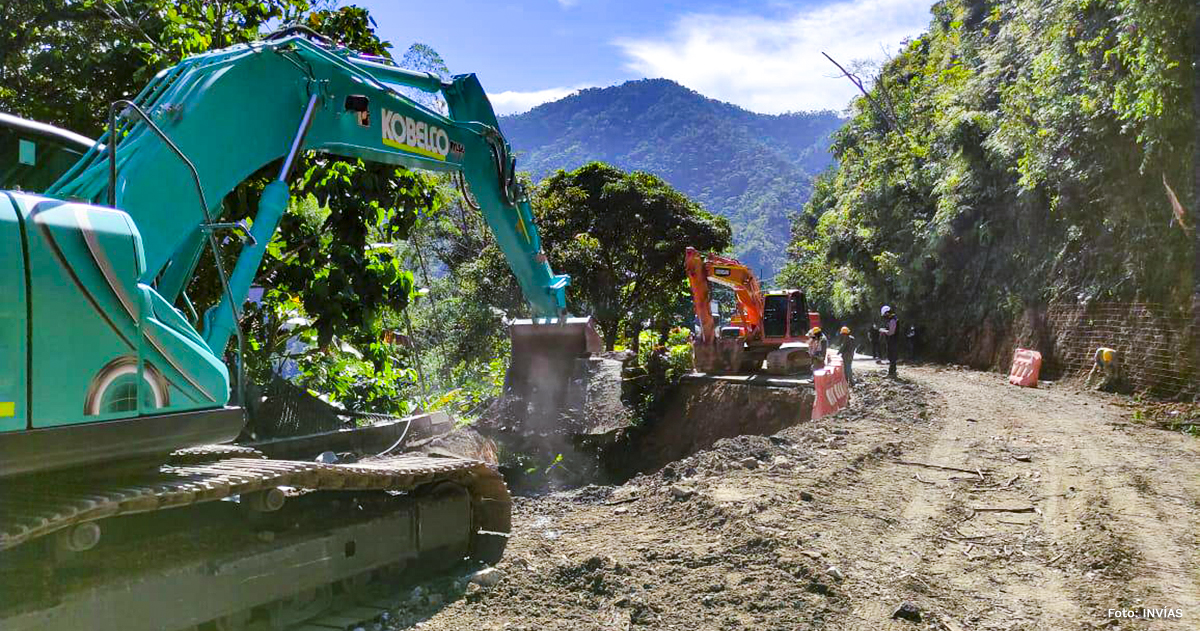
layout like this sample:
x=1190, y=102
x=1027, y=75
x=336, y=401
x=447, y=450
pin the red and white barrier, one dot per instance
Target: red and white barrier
x=832, y=391
x=1025, y=368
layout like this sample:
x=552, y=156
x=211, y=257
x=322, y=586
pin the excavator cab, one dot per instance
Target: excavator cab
x=786, y=321
x=785, y=316
x=33, y=155
x=144, y=383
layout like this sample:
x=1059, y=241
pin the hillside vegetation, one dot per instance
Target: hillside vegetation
x=1012, y=157
x=753, y=169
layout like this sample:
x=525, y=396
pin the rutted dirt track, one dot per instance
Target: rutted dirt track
x=1063, y=509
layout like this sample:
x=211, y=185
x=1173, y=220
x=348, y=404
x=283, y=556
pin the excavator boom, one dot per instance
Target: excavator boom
x=232, y=111
x=173, y=153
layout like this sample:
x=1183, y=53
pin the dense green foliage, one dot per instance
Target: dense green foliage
x=660, y=363
x=753, y=169
x=621, y=237
x=63, y=61
x=1024, y=164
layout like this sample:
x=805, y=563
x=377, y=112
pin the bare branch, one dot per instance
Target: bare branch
x=1180, y=211
x=858, y=83
x=131, y=24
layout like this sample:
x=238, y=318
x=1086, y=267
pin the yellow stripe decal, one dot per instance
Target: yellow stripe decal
x=8, y=408
x=521, y=225
x=411, y=149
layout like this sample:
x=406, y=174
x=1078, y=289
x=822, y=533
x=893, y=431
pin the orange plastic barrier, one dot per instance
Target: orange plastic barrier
x=1025, y=368
x=840, y=384
x=832, y=391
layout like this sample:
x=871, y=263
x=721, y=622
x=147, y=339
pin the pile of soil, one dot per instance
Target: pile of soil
x=676, y=548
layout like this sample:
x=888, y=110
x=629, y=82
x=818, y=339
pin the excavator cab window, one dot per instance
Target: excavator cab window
x=775, y=312
x=361, y=106
x=34, y=155
x=798, y=315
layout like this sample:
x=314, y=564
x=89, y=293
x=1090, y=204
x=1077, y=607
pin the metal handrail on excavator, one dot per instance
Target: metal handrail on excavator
x=240, y=387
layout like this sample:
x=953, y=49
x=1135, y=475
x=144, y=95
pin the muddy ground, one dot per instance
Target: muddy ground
x=979, y=504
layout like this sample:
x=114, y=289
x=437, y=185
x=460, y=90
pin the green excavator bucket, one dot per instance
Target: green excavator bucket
x=560, y=382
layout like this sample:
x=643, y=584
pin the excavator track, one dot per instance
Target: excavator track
x=375, y=515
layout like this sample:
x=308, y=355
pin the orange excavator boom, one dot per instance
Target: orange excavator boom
x=703, y=269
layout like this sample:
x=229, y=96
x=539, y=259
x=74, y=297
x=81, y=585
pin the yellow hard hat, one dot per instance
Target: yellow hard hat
x=816, y=330
x=845, y=330
x=1107, y=354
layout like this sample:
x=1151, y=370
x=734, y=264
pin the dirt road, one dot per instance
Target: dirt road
x=982, y=505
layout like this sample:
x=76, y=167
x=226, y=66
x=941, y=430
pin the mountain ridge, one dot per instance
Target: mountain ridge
x=755, y=169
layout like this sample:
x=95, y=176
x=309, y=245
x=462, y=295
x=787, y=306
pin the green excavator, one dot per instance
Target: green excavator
x=122, y=505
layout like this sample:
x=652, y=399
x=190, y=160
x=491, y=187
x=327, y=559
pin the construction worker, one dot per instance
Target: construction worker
x=817, y=345
x=1106, y=366
x=846, y=350
x=889, y=331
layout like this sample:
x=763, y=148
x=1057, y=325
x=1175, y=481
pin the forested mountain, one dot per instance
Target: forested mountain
x=754, y=169
x=1014, y=157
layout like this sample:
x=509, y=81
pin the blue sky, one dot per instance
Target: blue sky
x=764, y=55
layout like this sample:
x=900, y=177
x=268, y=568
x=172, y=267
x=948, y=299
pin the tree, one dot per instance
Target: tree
x=1195, y=208
x=63, y=61
x=621, y=237
x=1028, y=170
x=423, y=58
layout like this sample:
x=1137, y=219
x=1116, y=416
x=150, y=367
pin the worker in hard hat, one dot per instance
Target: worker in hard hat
x=888, y=331
x=846, y=350
x=1106, y=369
x=818, y=343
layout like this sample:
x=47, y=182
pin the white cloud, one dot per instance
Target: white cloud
x=514, y=102
x=567, y=4
x=775, y=65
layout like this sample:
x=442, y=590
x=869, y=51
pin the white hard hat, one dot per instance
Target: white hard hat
x=884, y=311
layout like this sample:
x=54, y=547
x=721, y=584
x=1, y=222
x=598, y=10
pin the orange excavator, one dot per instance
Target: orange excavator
x=771, y=326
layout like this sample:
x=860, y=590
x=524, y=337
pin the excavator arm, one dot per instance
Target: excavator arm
x=703, y=269
x=203, y=126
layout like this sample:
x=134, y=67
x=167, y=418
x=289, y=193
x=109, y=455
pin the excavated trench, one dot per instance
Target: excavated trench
x=698, y=414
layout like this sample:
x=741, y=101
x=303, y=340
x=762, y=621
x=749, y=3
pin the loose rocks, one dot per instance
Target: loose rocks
x=488, y=577
x=907, y=611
